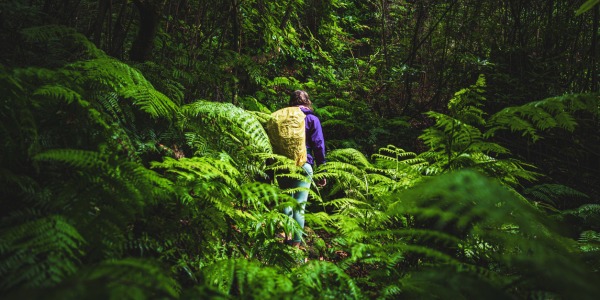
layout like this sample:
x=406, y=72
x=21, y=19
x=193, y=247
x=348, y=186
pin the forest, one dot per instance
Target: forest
x=462, y=145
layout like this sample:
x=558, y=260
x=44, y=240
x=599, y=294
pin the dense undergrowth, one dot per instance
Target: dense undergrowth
x=114, y=184
x=111, y=188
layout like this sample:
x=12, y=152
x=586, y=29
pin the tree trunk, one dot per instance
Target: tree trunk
x=236, y=43
x=384, y=32
x=119, y=32
x=141, y=50
x=99, y=24
x=594, y=50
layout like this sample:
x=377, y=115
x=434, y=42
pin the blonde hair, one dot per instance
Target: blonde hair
x=300, y=97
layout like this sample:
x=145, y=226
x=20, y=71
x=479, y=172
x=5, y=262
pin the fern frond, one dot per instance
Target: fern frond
x=259, y=196
x=203, y=179
x=350, y=156
x=247, y=279
x=591, y=237
x=151, y=101
x=262, y=117
x=469, y=206
x=455, y=282
x=38, y=253
x=56, y=33
x=533, y=117
x=550, y=193
x=115, y=76
x=146, y=180
x=589, y=214
x=320, y=279
x=243, y=128
x=82, y=159
x=340, y=203
x=155, y=73
x=59, y=92
x=128, y=278
x=466, y=197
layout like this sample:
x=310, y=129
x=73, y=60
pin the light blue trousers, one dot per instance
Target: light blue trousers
x=301, y=197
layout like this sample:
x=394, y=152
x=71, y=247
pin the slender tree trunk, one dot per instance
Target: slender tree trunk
x=237, y=46
x=594, y=50
x=141, y=50
x=384, y=14
x=415, y=44
x=286, y=16
x=99, y=24
x=119, y=32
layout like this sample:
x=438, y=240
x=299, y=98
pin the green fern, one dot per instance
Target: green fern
x=587, y=215
x=228, y=127
x=90, y=96
x=207, y=189
x=457, y=142
x=53, y=35
x=354, y=198
x=532, y=118
x=551, y=193
x=590, y=236
x=38, y=253
x=76, y=158
x=18, y=130
x=157, y=75
x=123, y=279
x=404, y=167
x=247, y=279
x=319, y=279
x=134, y=278
x=103, y=195
x=474, y=209
x=128, y=83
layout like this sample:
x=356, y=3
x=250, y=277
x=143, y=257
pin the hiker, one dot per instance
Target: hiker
x=315, y=156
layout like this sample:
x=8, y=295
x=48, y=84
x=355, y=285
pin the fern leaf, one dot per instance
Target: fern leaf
x=242, y=126
x=549, y=193
x=556, y=112
x=129, y=278
x=320, y=279
x=247, y=279
x=49, y=33
x=77, y=158
x=59, y=92
x=151, y=101
x=38, y=253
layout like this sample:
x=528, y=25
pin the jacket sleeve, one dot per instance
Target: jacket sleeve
x=315, y=139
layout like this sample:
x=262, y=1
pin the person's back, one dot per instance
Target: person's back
x=314, y=145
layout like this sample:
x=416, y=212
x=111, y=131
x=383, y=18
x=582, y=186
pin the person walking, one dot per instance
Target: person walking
x=315, y=156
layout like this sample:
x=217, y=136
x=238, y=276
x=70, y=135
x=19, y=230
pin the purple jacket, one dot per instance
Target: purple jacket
x=315, y=143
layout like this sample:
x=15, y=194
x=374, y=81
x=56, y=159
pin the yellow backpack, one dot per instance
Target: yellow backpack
x=287, y=133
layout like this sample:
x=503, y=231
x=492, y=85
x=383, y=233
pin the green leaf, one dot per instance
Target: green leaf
x=586, y=6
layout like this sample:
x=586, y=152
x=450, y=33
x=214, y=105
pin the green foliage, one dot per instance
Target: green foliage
x=116, y=184
x=496, y=231
x=456, y=141
x=549, y=194
x=62, y=44
x=250, y=279
x=38, y=252
x=213, y=180
x=587, y=216
x=230, y=128
x=247, y=279
x=116, y=279
x=325, y=280
x=533, y=117
x=587, y=5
